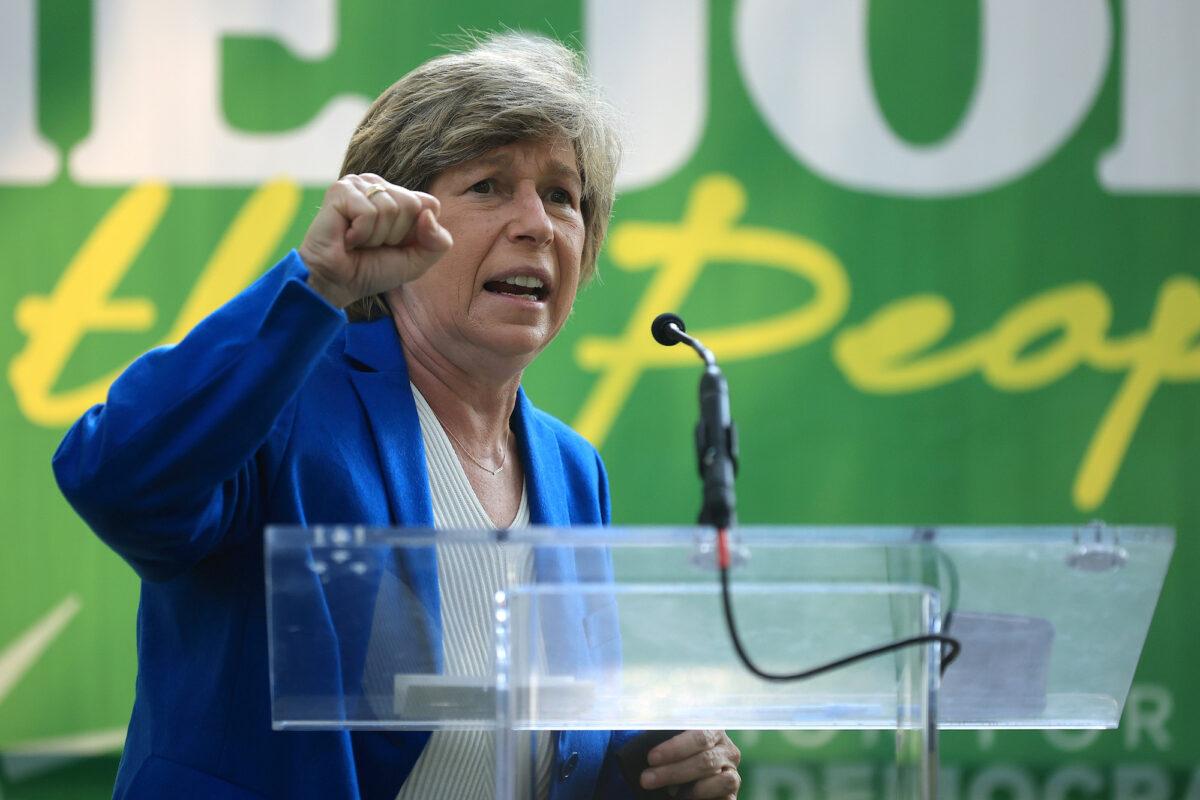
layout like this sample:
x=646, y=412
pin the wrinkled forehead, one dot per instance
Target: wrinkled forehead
x=550, y=159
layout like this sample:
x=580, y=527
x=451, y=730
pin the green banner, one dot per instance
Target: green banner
x=947, y=252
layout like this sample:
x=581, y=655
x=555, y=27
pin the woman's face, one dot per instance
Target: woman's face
x=507, y=285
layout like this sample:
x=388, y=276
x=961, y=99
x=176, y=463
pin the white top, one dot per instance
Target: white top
x=460, y=765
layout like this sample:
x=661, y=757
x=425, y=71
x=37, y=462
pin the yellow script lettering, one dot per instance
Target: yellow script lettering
x=1169, y=351
x=890, y=353
x=708, y=232
x=82, y=300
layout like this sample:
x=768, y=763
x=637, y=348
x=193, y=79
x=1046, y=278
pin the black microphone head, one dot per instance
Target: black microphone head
x=661, y=329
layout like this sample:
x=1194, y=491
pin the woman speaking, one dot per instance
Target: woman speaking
x=371, y=377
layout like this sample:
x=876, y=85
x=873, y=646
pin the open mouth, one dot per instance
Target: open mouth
x=519, y=286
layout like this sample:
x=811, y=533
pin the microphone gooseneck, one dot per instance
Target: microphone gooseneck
x=716, y=455
x=716, y=435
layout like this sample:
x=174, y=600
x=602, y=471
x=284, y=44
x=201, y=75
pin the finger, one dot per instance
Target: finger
x=387, y=210
x=698, y=766
x=432, y=241
x=413, y=259
x=360, y=212
x=366, y=179
x=431, y=236
x=725, y=784
x=429, y=201
x=389, y=203
x=683, y=745
x=408, y=211
x=331, y=223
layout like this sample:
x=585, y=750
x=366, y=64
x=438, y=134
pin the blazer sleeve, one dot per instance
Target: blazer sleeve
x=164, y=471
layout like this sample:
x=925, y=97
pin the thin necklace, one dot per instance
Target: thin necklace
x=478, y=463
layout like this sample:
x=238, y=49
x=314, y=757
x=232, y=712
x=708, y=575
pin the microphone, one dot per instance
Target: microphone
x=662, y=329
x=668, y=330
x=716, y=452
x=716, y=435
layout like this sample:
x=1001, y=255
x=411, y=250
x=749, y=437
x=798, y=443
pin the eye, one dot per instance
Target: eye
x=560, y=196
x=485, y=186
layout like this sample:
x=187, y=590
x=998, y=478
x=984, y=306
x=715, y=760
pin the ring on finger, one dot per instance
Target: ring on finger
x=376, y=188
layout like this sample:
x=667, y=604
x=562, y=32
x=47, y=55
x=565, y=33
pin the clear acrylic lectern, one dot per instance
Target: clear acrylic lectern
x=553, y=629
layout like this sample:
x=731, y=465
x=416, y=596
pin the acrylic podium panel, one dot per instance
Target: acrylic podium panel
x=623, y=629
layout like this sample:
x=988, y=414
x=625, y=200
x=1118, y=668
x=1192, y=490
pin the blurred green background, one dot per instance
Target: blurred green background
x=1094, y=107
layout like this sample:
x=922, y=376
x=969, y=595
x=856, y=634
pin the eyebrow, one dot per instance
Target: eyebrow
x=555, y=168
x=562, y=171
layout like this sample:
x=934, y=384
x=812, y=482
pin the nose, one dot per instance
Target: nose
x=530, y=223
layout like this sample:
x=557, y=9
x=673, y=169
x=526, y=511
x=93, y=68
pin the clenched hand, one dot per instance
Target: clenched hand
x=371, y=236
x=702, y=763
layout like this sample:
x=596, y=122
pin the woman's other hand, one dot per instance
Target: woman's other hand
x=703, y=764
x=371, y=236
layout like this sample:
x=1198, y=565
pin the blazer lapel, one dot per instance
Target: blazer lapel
x=546, y=488
x=561, y=619
x=391, y=413
x=543, y=466
x=387, y=401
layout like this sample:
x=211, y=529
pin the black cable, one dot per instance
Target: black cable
x=951, y=600
x=951, y=647
x=716, y=448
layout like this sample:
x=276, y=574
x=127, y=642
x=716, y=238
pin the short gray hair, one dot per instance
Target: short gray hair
x=505, y=88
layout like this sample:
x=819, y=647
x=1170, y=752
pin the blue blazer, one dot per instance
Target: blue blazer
x=274, y=410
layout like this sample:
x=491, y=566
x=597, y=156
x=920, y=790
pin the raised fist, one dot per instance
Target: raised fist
x=371, y=236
